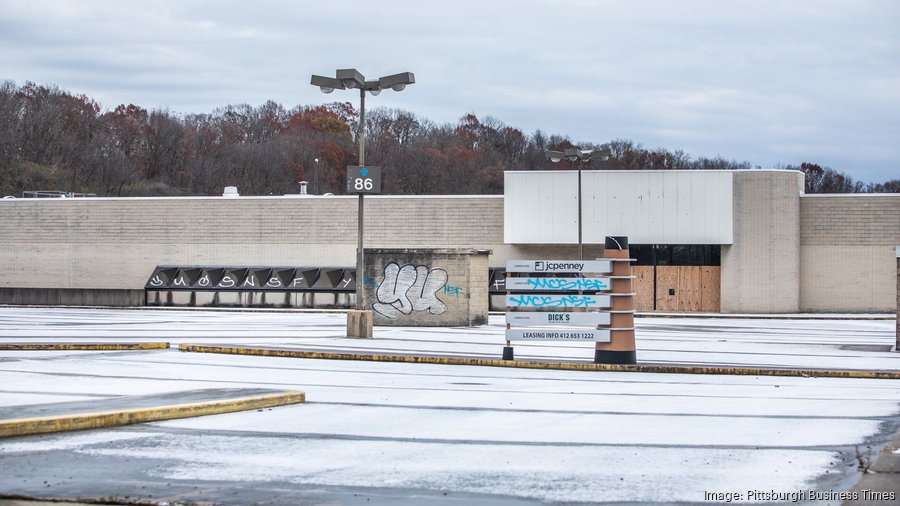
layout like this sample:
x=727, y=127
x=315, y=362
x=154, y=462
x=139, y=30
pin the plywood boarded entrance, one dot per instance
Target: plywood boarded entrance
x=643, y=287
x=677, y=288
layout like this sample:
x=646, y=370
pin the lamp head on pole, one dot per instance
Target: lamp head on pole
x=350, y=78
x=347, y=79
x=554, y=156
x=327, y=84
x=575, y=155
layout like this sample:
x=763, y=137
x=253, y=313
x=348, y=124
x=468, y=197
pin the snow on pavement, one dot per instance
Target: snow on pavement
x=554, y=436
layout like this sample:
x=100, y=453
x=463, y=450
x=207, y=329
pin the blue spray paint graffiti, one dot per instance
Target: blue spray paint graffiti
x=552, y=301
x=567, y=284
x=452, y=290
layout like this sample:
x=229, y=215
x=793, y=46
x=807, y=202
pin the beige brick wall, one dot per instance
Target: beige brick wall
x=790, y=252
x=847, y=252
x=318, y=220
x=761, y=269
x=479, y=278
x=850, y=219
x=116, y=243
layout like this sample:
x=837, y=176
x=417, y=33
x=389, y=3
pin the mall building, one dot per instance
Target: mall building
x=723, y=241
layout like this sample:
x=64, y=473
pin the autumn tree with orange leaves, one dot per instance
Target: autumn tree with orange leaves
x=51, y=139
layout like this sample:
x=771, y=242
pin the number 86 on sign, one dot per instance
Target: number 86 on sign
x=365, y=179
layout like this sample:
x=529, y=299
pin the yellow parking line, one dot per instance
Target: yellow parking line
x=563, y=366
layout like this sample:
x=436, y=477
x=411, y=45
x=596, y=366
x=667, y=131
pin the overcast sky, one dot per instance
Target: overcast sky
x=772, y=82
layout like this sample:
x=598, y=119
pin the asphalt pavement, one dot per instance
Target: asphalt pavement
x=411, y=433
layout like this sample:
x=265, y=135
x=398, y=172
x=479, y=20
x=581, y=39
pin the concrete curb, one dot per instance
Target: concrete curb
x=23, y=500
x=563, y=366
x=82, y=421
x=881, y=484
x=83, y=346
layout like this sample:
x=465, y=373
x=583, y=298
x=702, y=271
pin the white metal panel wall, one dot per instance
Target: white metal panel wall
x=650, y=207
x=543, y=209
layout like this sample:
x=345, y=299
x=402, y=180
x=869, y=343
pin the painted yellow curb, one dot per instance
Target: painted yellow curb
x=562, y=366
x=82, y=346
x=81, y=421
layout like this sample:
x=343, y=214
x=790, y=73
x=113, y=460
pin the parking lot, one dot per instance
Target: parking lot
x=389, y=433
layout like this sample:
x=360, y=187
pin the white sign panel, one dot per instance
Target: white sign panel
x=533, y=318
x=563, y=284
x=558, y=301
x=648, y=206
x=569, y=334
x=562, y=266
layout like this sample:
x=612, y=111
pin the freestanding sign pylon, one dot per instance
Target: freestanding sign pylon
x=574, y=300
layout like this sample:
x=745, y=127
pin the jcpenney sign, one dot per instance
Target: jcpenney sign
x=562, y=266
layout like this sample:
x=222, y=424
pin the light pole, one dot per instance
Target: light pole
x=316, y=178
x=350, y=79
x=582, y=156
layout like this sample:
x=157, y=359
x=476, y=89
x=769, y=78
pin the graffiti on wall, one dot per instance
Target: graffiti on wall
x=552, y=301
x=409, y=288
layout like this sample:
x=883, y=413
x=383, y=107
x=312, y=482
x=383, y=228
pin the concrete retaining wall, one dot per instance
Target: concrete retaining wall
x=427, y=287
x=71, y=297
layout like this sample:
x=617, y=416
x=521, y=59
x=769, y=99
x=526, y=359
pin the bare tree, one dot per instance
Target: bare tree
x=49, y=137
x=10, y=119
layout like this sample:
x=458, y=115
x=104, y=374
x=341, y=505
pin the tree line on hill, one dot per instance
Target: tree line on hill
x=51, y=139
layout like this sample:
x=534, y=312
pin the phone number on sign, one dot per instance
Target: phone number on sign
x=557, y=335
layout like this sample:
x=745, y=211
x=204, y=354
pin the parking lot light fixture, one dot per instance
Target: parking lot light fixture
x=352, y=79
x=581, y=157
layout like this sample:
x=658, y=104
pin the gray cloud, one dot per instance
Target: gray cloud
x=765, y=81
